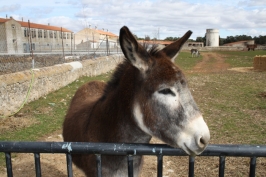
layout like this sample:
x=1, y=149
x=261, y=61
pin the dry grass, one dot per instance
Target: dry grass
x=233, y=104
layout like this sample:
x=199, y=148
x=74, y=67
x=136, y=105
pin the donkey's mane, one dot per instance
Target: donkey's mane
x=122, y=67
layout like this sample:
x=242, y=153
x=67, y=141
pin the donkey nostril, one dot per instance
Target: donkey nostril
x=202, y=142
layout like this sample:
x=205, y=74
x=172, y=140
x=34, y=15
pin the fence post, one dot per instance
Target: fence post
x=69, y=165
x=252, y=168
x=31, y=51
x=63, y=45
x=99, y=165
x=37, y=164
x=130, y=165
x=9, y=164
x=191, y=166
x=221, y=166
x=160, y=165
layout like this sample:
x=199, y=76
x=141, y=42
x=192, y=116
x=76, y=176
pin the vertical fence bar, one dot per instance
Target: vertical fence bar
x=31, y=49
x=62, y=37
x=252, y=168
x=8, y=164
x=130, y=165
x=37, y=164
x=191, y=166
x=69, y=165
x=160, y=165
x=221, y=166
x=99, y=165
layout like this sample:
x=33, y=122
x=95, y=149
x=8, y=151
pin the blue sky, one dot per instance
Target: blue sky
x=155, y=18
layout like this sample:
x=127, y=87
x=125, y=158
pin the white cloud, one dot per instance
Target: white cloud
x=170, y=18
x=9, y=8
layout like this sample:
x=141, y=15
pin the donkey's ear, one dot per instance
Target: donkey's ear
x=132, y=50
x=174, y=48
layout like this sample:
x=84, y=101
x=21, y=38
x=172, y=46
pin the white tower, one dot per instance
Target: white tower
x=212, y=37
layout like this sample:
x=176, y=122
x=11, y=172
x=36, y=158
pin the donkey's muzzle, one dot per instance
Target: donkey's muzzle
x=195, y=136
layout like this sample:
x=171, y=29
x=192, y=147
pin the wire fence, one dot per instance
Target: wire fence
x=23, y=47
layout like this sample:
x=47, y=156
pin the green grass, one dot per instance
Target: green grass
x=241, y=58
x=48, y=111
x=186, y=62
x=231, y=105
x=229, y=101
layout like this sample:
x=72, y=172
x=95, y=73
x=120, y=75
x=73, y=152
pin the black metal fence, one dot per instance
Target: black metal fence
x=129, y=150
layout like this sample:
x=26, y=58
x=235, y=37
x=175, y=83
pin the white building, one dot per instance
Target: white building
x=89, y=38
x=16, y=37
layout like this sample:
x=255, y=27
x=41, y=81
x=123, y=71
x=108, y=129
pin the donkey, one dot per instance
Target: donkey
x=148, y=96
x=195, y=53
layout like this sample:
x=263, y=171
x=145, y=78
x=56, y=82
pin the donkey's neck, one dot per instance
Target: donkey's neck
x=119, y=96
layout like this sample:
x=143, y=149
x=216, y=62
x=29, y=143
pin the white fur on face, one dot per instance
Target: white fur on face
x=189, y=139
x=189, y=131
x=168, y=100
x=139, y=118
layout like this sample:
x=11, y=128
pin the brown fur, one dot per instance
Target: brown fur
x=102, y=112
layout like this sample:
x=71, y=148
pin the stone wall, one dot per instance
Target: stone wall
x=16, y=63
x=14, y=86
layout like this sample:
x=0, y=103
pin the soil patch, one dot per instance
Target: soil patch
x=54, y=165
x=211, y=62
x=15, y=123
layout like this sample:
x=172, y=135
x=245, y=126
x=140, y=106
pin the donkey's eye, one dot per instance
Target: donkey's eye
x=167, y=91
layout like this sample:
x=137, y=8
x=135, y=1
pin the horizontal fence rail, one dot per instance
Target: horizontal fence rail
x=129, y=150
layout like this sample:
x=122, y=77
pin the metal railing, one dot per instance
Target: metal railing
x=129, y=150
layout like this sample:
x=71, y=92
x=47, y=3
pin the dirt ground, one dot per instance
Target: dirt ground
x=54, y=165
x=211, y=62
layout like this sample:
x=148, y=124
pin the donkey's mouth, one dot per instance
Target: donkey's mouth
x=189, y=151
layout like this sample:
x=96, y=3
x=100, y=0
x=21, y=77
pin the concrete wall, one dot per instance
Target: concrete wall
x=14, y=87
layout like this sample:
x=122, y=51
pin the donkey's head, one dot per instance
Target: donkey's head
x=163, y=105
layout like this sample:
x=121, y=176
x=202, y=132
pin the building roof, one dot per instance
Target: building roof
x=156, y=42
x=35, y=25
x=97, y=31
x=106, y=33
x=237, y=42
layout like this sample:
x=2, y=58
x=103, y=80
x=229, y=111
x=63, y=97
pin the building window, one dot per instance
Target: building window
x=64, y=35
x=44, y=33
x=26, y=32
x=39, y=33
x=55, y=34
x=13, y=26
x=67, y=35
x=72, y=35
x=51, y=34
x=60, y=35
x=48, y=44
x=32, y=46
x=33, y=33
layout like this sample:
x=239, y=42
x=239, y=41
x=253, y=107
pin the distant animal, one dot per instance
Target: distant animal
x=147, y=96
x=195, y=53
x=251, y=47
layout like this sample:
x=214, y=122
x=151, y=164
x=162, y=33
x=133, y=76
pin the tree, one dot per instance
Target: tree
x=199, y=39
x=169, y=39
x=147, y=38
